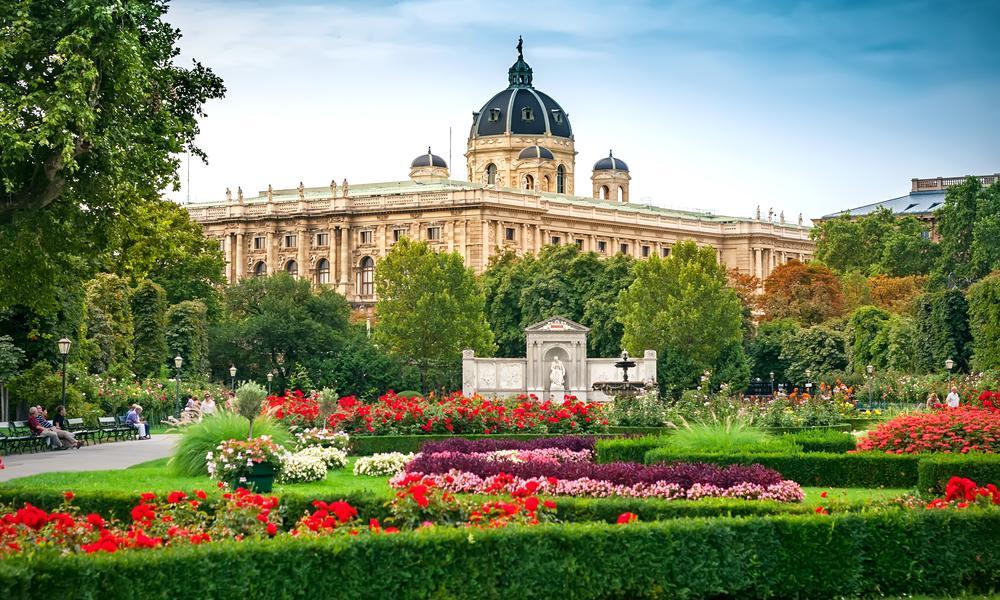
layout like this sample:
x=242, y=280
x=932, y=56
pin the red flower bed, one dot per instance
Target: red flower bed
x=398, y=415
x=956, y=430
x=962, y=493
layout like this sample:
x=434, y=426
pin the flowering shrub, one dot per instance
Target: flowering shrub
x=385, y=464
x=962, y=493
x=960, y=430
x=393, y=414
x=464, y=446
x=333, y=458
x=544, y=455
x=324, y=438
x=233, y=459
x=302, y=467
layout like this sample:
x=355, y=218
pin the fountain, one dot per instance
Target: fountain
x=624, y=387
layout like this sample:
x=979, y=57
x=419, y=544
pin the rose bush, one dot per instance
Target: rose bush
x=955, y=430
x=963, y=493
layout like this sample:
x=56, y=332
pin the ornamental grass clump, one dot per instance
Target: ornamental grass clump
x=198, y=439
x=728, y=437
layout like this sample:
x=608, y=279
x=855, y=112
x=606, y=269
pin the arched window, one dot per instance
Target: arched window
x=621, y=194
x=604, y=192
x=528, y=182
x=545, y=183
x=292, y=267
x=561, y=179
x=260, y=269
x=491, y=174
x=323, y=271
x=366, y=277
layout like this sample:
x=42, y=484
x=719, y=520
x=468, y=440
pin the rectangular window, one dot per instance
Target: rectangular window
x=624, y=249
x=290, y=241
x=322, y=239
x=645, y=251
x=556, y=240
x=367, y=237
x=509, y=234
x=665, y=252
x=579, y=244
x=258, y=242
x=397, y=233
x=494, y=114
x=434, y=233
x=602, y=247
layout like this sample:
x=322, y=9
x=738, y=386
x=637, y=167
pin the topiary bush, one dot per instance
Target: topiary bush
x=935, y=470
x=199, y=439
x=823, y=440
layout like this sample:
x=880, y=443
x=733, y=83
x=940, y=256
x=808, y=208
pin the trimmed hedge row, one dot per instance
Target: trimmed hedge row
x=935, y=470
x=627, y=449
x=868, y=470
x=775, y=557
x=366, y=445
x=823, y=440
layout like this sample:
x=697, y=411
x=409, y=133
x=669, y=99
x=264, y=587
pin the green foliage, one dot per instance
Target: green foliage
x=820, y=349
x=812, y=468
x=823, y=440
x=187, y=334
x=199, y=439
x=764, y=349
x=731, y=436
x=807, y=556
x=984, y=322
x=644, y=410
x=41, y=384
x=10, y=358
x=275, y=323
x=627, y=449
x=109, y=322
x=969, y=226
x=429, y=306
x=865, y=335
x=894, y=345
x=97, y=111
x=935, y=470
x=250, y=399
x=681, y=307
x=808, y=293
x=942, y=324
x=880, y=242
x=149, y=310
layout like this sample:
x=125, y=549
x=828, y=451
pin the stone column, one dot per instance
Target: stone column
x=302, y=241
x=486, y=244
x=382, y=243
x=227, y=251
x=755, y=263
x=240, y=260
x=449, y=232
x=525, y=228
x=331, y=250
x=501, y=235
x=345, y=257
x=271, y=255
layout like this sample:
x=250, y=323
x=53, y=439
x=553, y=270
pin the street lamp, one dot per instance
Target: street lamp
x=232, y=376
x=772, y=382
x=64, y=346
x=870, y=369
x=270, y=378
x=809, y=374
x=178, y=363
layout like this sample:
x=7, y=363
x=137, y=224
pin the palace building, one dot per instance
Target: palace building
x=519, y=196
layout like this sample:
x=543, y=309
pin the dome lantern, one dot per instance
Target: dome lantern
x=428, y=167
x=611, y=179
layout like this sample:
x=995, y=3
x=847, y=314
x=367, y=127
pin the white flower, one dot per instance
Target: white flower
x=385, y=464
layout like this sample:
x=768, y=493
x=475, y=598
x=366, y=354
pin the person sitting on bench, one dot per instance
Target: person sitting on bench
x=58, y=438
x=133, y=419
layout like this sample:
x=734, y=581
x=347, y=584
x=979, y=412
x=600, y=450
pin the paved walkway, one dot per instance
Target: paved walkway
x=96, y=457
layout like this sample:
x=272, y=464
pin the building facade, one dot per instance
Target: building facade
x=519, y=196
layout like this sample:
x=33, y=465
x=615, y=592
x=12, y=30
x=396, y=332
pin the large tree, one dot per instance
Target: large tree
x=969, y=227
x=942, y=324
x=109, y=323
x=429, y=306
x=880, y=242
x=984, y=322
x=149, y=312
x=681, y=307
x=807, y=293
x=95, y=111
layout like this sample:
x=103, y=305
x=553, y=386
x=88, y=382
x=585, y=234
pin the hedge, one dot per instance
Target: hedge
x=626, y=449
x=863, y=470
x=824, y=440
x=900, y=552
x=935, y=470
x=366, y=445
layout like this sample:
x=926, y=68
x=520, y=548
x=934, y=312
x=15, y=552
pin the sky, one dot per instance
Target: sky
x=806, y=107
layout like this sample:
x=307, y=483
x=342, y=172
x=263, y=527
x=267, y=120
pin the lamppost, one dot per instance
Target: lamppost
x=64, y=345
x=949, y=364
x=870, y=369
x=270, y=378
x=232, y=376
x=809, y=384
x=772, y=382
x=178, y=363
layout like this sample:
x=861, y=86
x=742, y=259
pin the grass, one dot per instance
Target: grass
x=729, y=436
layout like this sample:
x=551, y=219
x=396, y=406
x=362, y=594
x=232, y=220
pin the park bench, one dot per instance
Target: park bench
x=129, y=431
x=80, y=431
x=27, y=440
x=14, y=442
x=109, y=427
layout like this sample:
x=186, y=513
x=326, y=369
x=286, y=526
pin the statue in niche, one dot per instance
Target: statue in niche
x=557, y=374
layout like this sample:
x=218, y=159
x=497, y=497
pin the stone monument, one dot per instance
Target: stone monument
x=555, y=365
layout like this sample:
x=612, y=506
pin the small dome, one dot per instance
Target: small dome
x=428, y=160
x=535, y=152
x=610, y=164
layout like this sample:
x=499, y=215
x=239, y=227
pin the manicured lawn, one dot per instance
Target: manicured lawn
x=156, y=476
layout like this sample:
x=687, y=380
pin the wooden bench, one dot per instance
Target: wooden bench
x=108, y=427
x=80, y=431
x=20, y=431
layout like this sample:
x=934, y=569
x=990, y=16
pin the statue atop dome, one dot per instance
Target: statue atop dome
x=520, y=48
